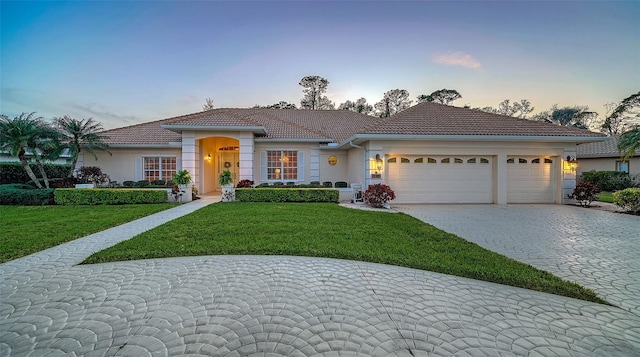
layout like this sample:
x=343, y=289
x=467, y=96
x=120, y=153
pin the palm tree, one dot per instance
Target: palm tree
x=26, y=133
x=81, y=134
x=629, y=142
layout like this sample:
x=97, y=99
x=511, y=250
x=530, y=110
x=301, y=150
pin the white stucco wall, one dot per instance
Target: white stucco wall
x=607, y=164
x=499, y=151
x=121, y=165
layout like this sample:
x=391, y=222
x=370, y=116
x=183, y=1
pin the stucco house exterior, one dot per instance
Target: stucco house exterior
x=604, y=156
x=429, y=153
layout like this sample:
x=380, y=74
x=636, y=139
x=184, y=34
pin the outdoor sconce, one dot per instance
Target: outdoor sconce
x=378, y=162
x=378, y=166
x=571, y=163
x=209, y=157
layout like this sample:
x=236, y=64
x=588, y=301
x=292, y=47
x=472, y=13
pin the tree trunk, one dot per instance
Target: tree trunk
x=27, y=168
x=42, y=172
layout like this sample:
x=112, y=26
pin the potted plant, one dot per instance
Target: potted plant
x=182, y=178
x=225, y=180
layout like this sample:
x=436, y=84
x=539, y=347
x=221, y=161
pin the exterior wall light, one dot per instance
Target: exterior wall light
x=571, y=163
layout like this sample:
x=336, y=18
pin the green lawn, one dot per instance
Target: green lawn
x=29, y=229
x=605, y=196
x=328, y=230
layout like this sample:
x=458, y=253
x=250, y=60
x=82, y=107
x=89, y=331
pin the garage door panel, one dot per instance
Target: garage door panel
x=426, y=181
x=530, y=180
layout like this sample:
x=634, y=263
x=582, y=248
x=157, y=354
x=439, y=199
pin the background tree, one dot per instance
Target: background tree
x=25, y=134
x=79, y=135
x=314, y=87
x=280, y=105
x=442, y=96
x=393, y=101
x=623, y=116
x=629, y=142
x=359, y=106
x=208, y=105
x=576, y=116
x=516, y=109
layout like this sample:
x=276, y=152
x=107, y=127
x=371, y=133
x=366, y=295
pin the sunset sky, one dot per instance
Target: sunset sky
x=127, y=62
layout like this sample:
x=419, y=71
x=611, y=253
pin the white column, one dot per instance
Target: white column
x=500, y=174
x=189, y=151
x=314, y=165
x=568, y=177
x=246, y=148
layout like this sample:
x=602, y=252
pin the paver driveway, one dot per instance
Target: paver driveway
x=596, y=249
x=288, y=306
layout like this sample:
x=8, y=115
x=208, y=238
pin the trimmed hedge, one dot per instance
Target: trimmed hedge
x=108, y=196
x=608, y=180
x=25, y=195
x=629, y=199
x=287, y=195
x=13, y=172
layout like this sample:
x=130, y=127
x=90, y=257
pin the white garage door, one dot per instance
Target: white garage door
x=530, y=180
x=441, y=179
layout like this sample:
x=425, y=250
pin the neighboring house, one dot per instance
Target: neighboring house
x=429, y=153
x=604, y=156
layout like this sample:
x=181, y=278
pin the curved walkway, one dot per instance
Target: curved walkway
x=290, y=306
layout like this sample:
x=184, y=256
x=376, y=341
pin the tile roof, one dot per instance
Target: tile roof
x=436, y=119
x=607, y=148
x=341, y=125
x=146, y=133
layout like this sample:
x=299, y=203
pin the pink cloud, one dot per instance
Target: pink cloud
x=457, y=58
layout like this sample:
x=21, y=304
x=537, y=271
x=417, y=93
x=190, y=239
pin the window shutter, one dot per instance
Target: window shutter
x=300, y=165
x=138, y=169
x=263, y=166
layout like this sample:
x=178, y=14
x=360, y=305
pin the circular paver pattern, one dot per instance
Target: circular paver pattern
x=596, y=249
x=283, y=306
x=294, y=306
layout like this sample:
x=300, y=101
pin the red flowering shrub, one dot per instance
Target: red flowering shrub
x=244, y=184
x=378, y=195
x=585, y=193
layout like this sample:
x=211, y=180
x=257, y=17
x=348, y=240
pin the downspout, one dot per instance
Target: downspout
x=364, y=164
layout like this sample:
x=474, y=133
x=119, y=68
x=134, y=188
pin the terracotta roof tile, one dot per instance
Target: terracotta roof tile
x=340, y=125
x=436, y=119
x=607, y=148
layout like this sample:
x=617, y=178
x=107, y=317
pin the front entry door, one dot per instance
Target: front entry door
x=228, y=161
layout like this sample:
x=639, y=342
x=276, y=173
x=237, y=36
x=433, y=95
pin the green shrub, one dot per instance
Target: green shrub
x=287, y=195
x=629, y=199
x=327, y=184
x=108, y=196
x=608, y=180
x=142, y=183
x=13, y=172
x=25, y=195
x=158, y=183
x=128, y=183
x=262, y=185
x=341, y=184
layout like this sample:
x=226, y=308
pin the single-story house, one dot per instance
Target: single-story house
x=429, y=153
x=604, y=156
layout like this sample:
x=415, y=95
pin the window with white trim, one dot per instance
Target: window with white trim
x=622, y=166
x=282, y=165
x=158, y=167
